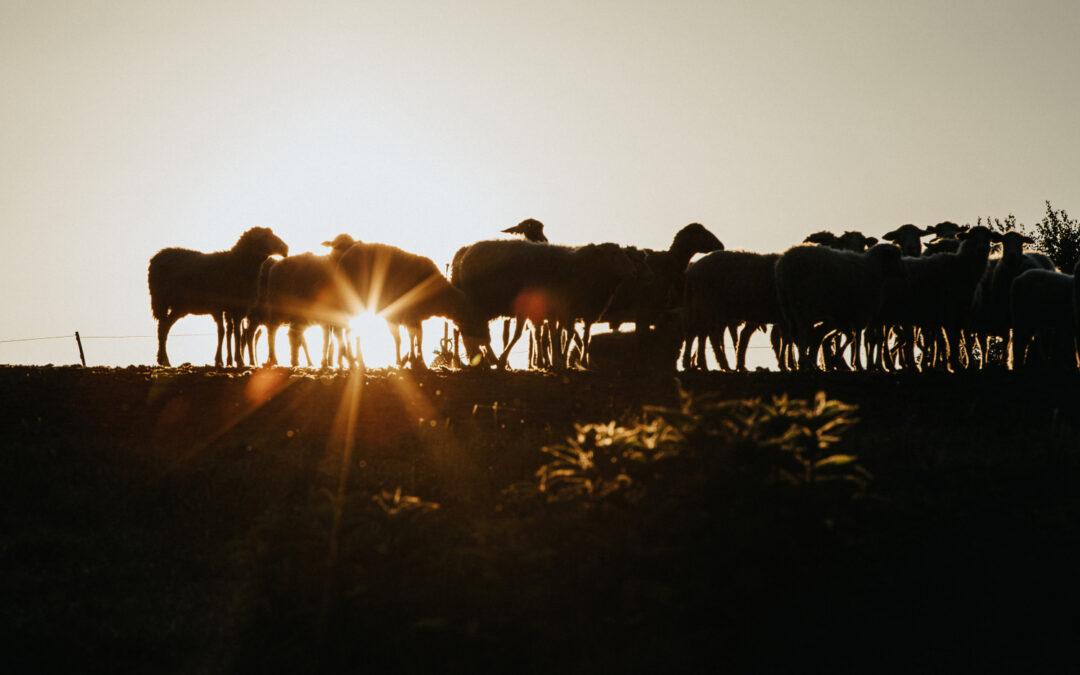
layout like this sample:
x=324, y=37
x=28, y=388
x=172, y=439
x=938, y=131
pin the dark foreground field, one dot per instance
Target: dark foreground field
x=159, y=520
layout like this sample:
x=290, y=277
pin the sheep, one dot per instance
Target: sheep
x=1042, y=304
x=992, y=316
x=726, y=288
x=851, y=240
x=657, y=287
x=245, y=337
x=530, y=228
x=839, y=290
x=651, y=349
x=312, y=284
x=301, y=290
x=938, y=295
x=824, y=238
x=527, y=280
x=406, y=289
x=533, y=230
x=908, y=238
x=945, y=241
x=185, y=282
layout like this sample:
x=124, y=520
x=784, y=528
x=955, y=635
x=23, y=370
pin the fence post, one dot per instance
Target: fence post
x=78, y=341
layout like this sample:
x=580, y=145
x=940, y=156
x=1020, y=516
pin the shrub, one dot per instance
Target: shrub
x=780, y=442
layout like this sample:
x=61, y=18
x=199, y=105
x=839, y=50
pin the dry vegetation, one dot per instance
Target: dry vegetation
x=191, y=520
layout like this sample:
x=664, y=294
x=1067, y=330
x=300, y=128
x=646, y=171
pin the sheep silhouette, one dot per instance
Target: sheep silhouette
x=183, y=281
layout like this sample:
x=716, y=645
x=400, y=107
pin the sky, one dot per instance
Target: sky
x=131, y=126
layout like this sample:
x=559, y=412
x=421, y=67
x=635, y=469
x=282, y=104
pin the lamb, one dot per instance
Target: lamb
x=821, y=289
x=183, y=281
x=1042, y=304
x=406, y=289
x=726, y=288
x=530, y=228
x=527, y=280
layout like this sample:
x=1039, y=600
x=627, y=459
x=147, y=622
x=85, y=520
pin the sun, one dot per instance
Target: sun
x=376, y=341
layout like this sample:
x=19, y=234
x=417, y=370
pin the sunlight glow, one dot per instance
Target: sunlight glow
x=376, y=343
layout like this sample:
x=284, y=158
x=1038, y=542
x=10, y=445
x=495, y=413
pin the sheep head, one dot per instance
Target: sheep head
x=530, y=228
x=824, y=238
x=694, y=238
x=1012, y=243
x=856, y=241
x=339, y=245
x=907, y=237
x=979, y=239
x=945, y=229
x=261, y=242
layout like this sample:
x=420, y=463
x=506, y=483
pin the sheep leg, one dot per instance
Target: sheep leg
x=586, y=329
x=230, y=331
x=250, y=336
x=416, y=345
x=395, y=332
x=716, y=339
x=1017, y=351
x=307, y=354
x=164, y=324
x=558, y=348
x=295, y=337
x=856, y=350
x=271, y=337
x=810, y=349
x=236, y=326
x=779, y=348
x=219, y=319
x=505, y=355
x=326, y=346
x=742, y=344
x=688, y=346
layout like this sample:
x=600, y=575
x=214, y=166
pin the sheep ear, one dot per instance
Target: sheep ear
x=995, y=237
x=871, y=242
x=1027, y=240
x=326, y=243
x=890, y=236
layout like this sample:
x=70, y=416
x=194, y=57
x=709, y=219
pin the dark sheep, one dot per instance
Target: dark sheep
x=183, y=281
x=526, y=280
x=405, y=289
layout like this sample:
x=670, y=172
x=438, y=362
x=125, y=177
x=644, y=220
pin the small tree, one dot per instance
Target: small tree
x=1056, y=235
x=1059, y=238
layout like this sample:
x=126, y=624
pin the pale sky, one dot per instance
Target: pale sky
x=130, y=126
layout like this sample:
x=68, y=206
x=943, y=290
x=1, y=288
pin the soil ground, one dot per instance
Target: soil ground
x=196, y=520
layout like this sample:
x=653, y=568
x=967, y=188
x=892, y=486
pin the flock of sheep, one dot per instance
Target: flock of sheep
x=833, y=302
